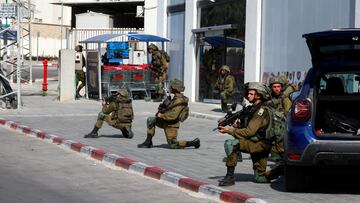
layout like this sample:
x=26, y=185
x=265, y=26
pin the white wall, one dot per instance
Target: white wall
x=93, y=20
x=155, y=17
x=50, y=13
x=284, y=23
x=190, y=70
x=252, y=40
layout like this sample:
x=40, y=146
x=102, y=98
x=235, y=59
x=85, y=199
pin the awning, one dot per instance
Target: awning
x=217, y=41
x=140, y=37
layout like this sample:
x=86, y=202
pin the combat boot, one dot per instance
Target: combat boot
x=93, y=133
x=195, y=143
x=261, y=178
x=229, y=178
x=148, y=142
x=127, y=133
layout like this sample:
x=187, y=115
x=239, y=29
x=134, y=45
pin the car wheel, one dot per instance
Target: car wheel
x=294, y=178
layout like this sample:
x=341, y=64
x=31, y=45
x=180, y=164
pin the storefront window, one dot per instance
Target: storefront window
x=223, y=44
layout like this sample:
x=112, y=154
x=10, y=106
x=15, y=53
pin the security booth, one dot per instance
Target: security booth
x=122, y=63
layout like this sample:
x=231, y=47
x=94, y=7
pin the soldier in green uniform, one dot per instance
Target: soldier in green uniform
x=279, y=100
x=171, y=112
x=225, y=84
x=159, y=65
x=250, y=137
x=79, y=70
x=282, y=104
x=117, y=111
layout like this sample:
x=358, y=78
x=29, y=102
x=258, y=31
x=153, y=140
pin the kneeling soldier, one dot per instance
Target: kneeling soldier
x=250, y=137
x=117, y=111
x=171, y=112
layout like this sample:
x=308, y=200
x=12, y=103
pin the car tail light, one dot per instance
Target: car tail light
x=301, y=109
x=294, y=156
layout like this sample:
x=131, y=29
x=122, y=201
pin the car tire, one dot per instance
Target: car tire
x=294, y=178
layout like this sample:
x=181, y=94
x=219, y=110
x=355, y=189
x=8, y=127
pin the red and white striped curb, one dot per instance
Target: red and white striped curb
x=192, y=186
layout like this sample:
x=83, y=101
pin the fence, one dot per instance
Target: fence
x=77, y=35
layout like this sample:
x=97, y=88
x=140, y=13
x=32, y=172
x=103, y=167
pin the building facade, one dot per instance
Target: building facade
x=271, y=31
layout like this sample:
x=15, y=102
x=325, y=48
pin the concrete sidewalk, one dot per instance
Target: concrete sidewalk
x=65, y=123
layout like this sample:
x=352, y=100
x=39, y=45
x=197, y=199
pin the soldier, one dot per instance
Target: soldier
x=225, y=84
x=250, y=137
x=170, y=113
x=117, y=111
x=282, y=103
x=79, y=70
x=159, y=64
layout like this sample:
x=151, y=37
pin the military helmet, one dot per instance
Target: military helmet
x=284, y=79
x=259, y=88
x=153, y=46
x=79, y=48
x=123, y=92
x=226, y=68
x=177, y=85
x=276, y=80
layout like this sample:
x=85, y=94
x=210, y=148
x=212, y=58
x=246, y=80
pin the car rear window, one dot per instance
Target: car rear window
x=339, y=84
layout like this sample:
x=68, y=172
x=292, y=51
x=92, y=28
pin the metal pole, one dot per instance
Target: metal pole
x=99, y=69
x=61, y=27
x=37, y=46
x=30, y=43
x=86, y=73
x=18, y=68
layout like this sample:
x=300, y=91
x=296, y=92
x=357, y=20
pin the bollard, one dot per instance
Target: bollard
x=44, y=85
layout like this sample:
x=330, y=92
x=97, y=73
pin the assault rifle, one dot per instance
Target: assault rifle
x=166, y=103
x=110, y=98
x=231, y=117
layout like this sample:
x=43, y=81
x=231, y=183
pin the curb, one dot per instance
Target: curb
x=193, y=187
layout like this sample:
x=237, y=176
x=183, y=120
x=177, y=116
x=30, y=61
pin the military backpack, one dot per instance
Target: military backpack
x=277, y=125
x=184, y=114
x=165, y=55
x=125, y=111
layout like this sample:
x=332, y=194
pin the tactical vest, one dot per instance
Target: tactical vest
x=260, y=134
x=125, y=112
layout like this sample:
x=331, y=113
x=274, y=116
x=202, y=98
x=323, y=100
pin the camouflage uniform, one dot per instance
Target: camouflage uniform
x=249, y=138
x=283, y=104
x=225, y=84
x=160, y=66
x=118, y=114
x=169, y=120
x=79, y=72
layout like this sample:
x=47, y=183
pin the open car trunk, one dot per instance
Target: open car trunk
x=338, y=115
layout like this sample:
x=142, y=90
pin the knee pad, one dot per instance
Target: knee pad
x=101, y=116
x=229, y=145
x=150, y=122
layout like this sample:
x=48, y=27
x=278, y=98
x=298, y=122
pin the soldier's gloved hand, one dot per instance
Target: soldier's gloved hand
x=158, y=114
x=223, y=129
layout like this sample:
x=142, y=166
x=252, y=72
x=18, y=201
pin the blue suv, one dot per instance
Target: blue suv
x=323, y=127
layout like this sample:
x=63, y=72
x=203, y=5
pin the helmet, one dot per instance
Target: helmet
x=276, y=79
x=123, y=93
x=153, y=46
x=260, y=89
x=284, y=79
x=177, y=85
x=79, y=48
x=226, y=68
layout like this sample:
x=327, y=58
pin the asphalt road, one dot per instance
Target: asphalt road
x=32, y=170
x=73, y=120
